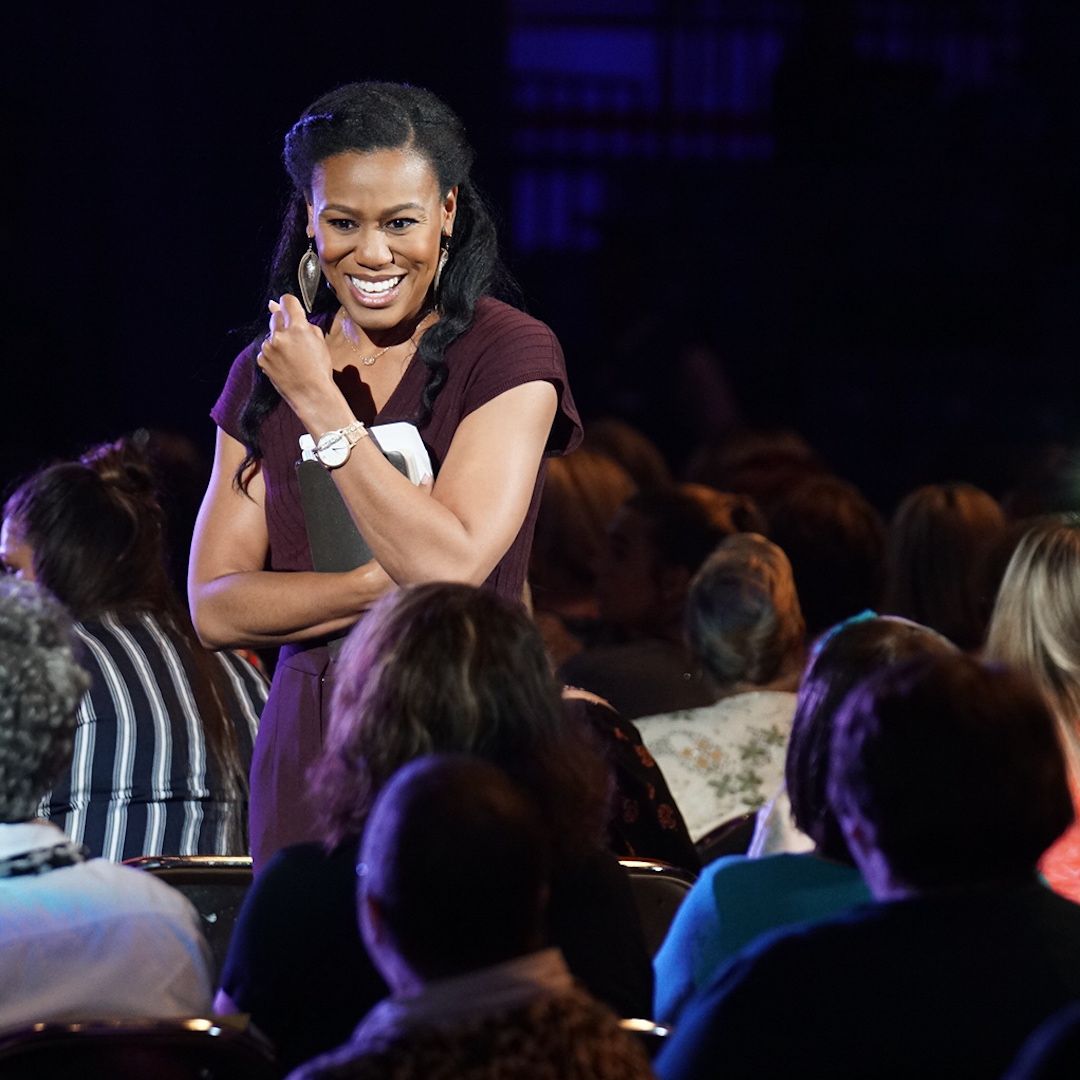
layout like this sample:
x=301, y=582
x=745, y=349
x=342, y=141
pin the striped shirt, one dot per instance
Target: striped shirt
x=142, y=781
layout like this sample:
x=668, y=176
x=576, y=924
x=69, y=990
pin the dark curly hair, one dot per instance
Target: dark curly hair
x=360, y=118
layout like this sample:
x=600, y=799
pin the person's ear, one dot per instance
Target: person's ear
x=449, y=211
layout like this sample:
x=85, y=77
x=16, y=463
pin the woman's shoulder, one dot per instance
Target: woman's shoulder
x=499, y=327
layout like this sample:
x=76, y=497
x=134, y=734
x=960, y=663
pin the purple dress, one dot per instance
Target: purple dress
x=502, y=349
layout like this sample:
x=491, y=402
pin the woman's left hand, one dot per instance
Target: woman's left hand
x=295, y=356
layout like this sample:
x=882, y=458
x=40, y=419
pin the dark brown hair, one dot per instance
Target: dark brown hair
x=954, y=769
x=446, y=668
x=844, y=656
x=938, y=543
x=95, y=528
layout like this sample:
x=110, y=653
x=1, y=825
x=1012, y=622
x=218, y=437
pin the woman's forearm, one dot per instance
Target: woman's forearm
x=461, y=530
x=263, y=607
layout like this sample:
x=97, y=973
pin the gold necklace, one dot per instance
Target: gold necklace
x=367, y=361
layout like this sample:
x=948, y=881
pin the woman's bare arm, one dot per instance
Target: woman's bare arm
x=234, y=600
x=464, y=527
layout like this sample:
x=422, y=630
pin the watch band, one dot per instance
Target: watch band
x=355, y=431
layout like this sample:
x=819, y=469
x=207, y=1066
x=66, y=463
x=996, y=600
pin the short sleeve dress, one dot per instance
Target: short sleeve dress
x=503, y=348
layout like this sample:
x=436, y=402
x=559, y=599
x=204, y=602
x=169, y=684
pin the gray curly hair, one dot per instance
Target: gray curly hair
x=40, y=687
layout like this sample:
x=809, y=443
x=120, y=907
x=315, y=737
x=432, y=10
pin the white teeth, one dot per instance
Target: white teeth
x=374, y=288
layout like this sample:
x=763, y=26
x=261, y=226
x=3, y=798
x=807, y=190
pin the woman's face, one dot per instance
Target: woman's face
x=377, y=219
x=16, y=555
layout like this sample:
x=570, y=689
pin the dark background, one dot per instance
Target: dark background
x=857, y=220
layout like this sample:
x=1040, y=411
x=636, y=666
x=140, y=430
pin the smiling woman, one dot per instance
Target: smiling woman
x=395, y=256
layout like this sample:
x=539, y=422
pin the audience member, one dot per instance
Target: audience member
x=744, y=627
x=836, y=543
x=628, y=447
x=165, y=732
x=655, y=545
x=453, y=880
x=79, y=938
x=948, y=782
x=645, y=820
x=737, y=899
x=1035, y=626
x=761, y=464
x=937, y=560
x=434, y=668
x=581, y=495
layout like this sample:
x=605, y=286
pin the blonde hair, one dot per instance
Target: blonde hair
x=1035, y=624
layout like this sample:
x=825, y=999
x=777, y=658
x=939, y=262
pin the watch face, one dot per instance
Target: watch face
x=333, y=449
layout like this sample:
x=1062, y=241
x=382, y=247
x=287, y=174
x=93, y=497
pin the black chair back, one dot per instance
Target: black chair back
x=731, y=838
x=216, y=886
x=659, y=889
x=136, y=1050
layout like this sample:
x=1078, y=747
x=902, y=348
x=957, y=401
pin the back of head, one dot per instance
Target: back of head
x=95, y=528
x=836, y=543
x=687, y=522
x=761, y=464
x=843, y=657
x=581, y=495
x=952, y=771
x=743, y=620
x=629, y=448
x=1035, y=624
x=938, y=544
x=446, y=668
x=455, y=857
x=40, y=688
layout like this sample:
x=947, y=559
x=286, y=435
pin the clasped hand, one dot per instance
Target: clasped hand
x=294, y=356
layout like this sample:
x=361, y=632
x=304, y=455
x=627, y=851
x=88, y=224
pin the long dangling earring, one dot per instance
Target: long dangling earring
x=444, y=256
x=309, y=274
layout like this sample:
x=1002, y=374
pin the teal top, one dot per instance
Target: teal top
x=734, y=901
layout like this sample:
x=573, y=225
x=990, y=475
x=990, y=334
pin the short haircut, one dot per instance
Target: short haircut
x=743, y=620
x=844, y=656
x=836, y=543
x=955, y=768
x=40, y=687
x=456, y=858
x=686, y=523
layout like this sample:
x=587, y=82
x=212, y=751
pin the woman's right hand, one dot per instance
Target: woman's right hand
x=296, y=359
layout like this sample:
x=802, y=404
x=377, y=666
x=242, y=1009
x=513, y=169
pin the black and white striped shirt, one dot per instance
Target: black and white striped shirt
x=141, y=779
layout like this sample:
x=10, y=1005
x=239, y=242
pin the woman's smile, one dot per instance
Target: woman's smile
x=378, y=219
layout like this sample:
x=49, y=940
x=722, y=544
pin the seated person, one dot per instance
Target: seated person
x=737, y=899
x=948, y=782
x=79, y=938
x=582, y=492
x=164, y=735
x=744, y=626
x=941, y=543
x=644, y=822
x=655, y=545
x=836, y=543
x=436, y=668
x=1035, y=627
x=452, y=883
